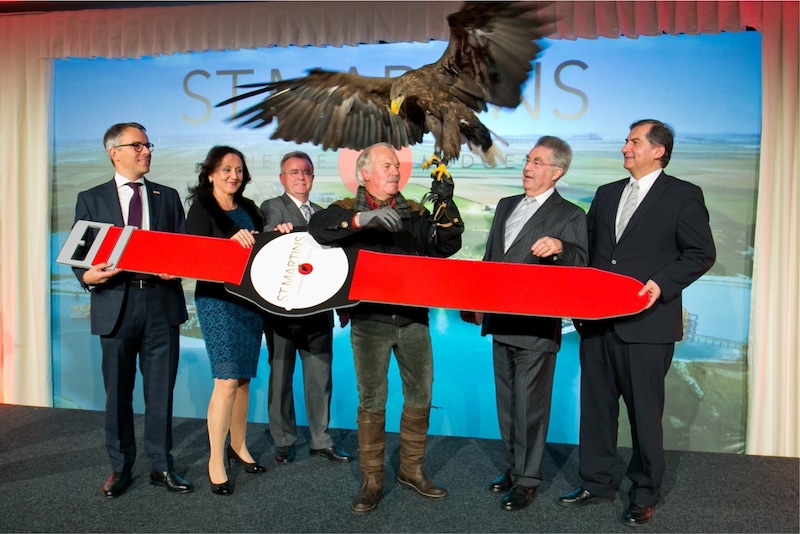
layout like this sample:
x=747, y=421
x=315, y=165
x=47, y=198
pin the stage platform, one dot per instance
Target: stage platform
x=53, y=465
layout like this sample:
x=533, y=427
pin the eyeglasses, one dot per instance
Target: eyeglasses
x=295, y=173
x=138, y=146
x=537, y=163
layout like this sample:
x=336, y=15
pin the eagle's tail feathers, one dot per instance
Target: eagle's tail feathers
x=490, y=156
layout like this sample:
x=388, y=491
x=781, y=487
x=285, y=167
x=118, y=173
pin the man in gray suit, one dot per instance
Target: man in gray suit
x=537, y=227
x=311, y=336
x=135, y=314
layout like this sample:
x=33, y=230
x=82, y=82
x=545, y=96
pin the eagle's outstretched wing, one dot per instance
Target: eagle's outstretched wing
x=332, y=109
x=492, y=45
x=487, y=61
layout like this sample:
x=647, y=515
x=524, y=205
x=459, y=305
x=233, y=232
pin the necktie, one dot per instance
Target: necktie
x=135, y=207
x=517, y=219
x=628, y=208
x=306, y=209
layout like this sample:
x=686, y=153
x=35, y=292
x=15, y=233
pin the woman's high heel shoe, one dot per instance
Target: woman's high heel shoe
x=220, y=489
x=248, y=467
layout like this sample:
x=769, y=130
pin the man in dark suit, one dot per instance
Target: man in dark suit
x=537, y=227
x=135, y=314
x=311, y=336
x=652, y=227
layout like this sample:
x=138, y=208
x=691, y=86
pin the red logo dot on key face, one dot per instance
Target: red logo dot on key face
x=305, y=268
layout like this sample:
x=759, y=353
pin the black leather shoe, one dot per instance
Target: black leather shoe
x=518, y=497
x=116, y=484
x=333, y=454
x=502, y=483
x=251, y=468
x=220, y=489
x=582, y=497
x=637, y=515
x=284, y=455
x=170, y=480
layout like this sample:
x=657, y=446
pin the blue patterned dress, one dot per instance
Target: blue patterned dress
x=232, y=328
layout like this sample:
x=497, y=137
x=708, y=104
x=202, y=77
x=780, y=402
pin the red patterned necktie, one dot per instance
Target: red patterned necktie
x=135, y=207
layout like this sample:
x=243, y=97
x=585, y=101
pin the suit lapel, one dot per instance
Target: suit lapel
x=295, y=215
x=496, y=241
x=649, y=201
x=535, y=221
x=110, y=197
x=154, y=204
x=508, y=209
x=539, y=216
x=614, y=199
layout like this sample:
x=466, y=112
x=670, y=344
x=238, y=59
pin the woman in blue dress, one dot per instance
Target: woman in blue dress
x=231, y=326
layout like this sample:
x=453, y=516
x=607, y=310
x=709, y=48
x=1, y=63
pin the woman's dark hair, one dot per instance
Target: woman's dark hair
x=209, y=165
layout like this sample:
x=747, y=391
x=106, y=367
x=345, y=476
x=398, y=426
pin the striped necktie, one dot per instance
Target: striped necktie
x=518, y=217
x=306, y=209
x=628, y=208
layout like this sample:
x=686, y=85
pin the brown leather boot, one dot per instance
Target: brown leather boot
x=371, y=444
x=413, y=434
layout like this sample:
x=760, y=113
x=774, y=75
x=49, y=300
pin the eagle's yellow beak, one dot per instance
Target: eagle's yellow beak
x=396, y=103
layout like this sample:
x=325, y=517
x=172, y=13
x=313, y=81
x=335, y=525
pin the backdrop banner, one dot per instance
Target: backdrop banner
x=586, y=91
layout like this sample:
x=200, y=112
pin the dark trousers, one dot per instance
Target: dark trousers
x=143, y=330
x=373, y=343
x=314, y=343
x=610, y=368
x=523, y=386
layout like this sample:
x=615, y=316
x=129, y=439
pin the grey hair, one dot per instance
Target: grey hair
x=365, y=160
x=297, y=154
x=111, y=138
x=562, y=153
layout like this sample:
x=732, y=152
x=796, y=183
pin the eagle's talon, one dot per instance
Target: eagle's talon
x=433, y=161
x=440, y=173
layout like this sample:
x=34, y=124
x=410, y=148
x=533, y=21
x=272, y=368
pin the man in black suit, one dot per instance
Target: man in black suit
x=652, y=227
x=536, y=227
x=135, y=314
x=311, y=336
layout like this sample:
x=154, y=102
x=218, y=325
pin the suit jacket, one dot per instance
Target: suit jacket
x=101, y=204
x=668, y=239
x=556, y=218
x=282, y=209
x=279, y=210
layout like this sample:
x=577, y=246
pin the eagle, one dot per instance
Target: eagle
x=487, y=61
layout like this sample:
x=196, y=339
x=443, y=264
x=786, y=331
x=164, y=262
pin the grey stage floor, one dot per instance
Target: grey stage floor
x=53, y=465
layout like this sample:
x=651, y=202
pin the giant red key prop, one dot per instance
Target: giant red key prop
x=293, y=275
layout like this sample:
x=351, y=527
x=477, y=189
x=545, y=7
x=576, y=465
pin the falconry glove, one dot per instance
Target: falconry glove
x=445, y=212
x=385, y=216
x=442, y=190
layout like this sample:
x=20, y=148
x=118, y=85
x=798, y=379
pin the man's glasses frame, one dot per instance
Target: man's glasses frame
x=537, y=163
x=138, y=146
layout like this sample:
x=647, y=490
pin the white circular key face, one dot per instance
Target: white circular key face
x=295, y=272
